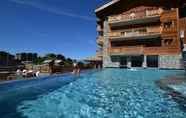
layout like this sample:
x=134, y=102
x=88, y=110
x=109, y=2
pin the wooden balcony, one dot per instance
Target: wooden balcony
x=168, y=15
x=136, y=18
x=136, y=33
x=130, y=50
x=99, y=40
x=99, y=53
x=169, y=30
x=161, y=50
x=99, y=29
x=140, y=50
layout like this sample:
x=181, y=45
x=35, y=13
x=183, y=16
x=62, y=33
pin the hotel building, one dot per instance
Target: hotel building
x=26, y=57
x=140, y=33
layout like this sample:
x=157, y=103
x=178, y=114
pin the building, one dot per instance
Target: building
x=97, y=60
x=141, y=33
x=183, y=31
x=6, y=59
x=26, y=57
x=94, y=61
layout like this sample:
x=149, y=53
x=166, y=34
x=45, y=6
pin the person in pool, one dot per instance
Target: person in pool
x=76, y=69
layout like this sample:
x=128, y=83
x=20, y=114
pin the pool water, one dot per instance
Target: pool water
x=108, y=93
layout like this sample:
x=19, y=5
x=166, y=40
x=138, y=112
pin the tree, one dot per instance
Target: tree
x=81, y=64
x=60, y=57
x=68, y=62
x=6, y=58
x=39, y=60
x=50, y=56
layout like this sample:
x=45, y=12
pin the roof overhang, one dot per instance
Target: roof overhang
x=106, y=5
x=117, y=6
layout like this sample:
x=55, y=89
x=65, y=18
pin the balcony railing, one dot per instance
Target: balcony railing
x=169, y=30
x=139, y=50
x=161, y=50
x=134, y=16
x=99, y=29
x=99, y=40
x=99, y=53
x=136, y=32
x=169, y=14
x=136, y=50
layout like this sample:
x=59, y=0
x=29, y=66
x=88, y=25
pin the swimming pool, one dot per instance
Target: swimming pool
x=108, y=93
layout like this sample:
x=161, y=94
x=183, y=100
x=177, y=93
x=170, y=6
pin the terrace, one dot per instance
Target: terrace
x=136, y=33
x=99, y=40
x=99, y=53
x=129, y=50
x=140, y=50
x=99, y=28
x=144, y=16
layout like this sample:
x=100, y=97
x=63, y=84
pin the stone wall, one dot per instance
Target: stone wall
x=106, y=56
x=170, y=62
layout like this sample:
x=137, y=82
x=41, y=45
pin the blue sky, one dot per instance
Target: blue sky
x=67, y=27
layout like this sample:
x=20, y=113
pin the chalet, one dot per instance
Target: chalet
x=141, y=33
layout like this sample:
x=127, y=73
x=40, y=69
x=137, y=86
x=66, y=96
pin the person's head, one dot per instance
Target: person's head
x=75, y=64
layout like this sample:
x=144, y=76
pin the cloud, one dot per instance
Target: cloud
x=51, y=9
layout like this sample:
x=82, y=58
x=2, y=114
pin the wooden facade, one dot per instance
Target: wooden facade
x=165, y=26
x=140, y=29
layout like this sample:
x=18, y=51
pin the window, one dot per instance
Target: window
x=182, y=12
x=115, y=59
x=184, y=55
x=123, y=33
x=168, y=42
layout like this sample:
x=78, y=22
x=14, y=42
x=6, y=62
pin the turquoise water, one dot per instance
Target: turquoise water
x=109, y=93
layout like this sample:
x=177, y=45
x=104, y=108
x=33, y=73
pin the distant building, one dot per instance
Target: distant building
x=95, y=61
x=26, y=57
x=141, y=33
x=6, y=59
